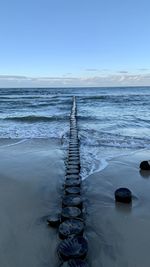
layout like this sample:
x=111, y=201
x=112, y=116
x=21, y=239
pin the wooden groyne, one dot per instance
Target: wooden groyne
x=73, y=247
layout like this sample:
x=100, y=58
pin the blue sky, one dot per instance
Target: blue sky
x=74, y=43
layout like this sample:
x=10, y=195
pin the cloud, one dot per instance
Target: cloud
x=12, y=77
x=91, y=70
x=123, y=72
x=120, y=79
x=143, y=69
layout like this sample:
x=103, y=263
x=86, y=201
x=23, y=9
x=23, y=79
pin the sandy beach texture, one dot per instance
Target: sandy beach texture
x=31, y=175
x=30, y=179
x=119, y=234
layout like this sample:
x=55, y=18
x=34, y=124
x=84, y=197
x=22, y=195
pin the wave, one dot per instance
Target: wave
x=34, y=118
x=89, y=118
x=94, y=138
x=98, y=148
x=113, y=98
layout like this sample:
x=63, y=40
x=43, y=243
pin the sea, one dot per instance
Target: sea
x=111, y=121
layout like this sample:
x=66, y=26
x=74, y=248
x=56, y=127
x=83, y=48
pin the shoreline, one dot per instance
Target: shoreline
x=117, y=233
x=31, y=175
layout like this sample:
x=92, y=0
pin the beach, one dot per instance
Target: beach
x=31, y=177
x=118, y=234
x=114, y=137
x=31, y=174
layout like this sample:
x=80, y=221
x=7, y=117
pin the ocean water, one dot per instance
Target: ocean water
x=111, y=121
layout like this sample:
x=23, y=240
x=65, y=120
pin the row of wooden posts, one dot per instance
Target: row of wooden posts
x=73, y=246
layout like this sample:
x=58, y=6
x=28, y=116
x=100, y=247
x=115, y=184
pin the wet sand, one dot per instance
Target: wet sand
x=31, y=175
x=119, y=234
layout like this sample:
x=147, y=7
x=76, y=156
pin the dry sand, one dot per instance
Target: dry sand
x=31, y=175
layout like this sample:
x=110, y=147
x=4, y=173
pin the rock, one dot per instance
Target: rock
x=73, y=150
x=74, y=144
x=123, y=195
x=73, y=190
x=145, y=165
x=72, y=171
x=73, y=156
x=77, y=263
x=72, y=139
x=70, y=213
x=72, y=182
x=73, y=153
x=75, y=162
x=70, y=227
x=72, y=176
x=74, y=147
x=54, y=220
x=73, y=248
x=74, y=166
x=72, y=201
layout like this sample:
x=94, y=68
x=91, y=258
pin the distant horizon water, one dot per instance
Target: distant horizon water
x=77, y=87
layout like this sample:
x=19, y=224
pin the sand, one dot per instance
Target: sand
x=30, y=178
x=31, y=175
x=119, y=234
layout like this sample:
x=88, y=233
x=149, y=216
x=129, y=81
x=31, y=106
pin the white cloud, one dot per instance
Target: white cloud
x=91, y=70
x=123, y=72
x=119, y=79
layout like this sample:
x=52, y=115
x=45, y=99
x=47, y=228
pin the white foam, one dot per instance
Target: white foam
x=96, y=167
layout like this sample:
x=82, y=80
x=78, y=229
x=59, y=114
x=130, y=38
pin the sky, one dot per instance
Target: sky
x=48, y=43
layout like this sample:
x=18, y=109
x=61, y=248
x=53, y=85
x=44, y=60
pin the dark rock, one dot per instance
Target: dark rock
x=72, y=157
x=74, y=166
x=72, y=171
x=75, y=162
x=74, y=136
x=70, y=213
x=74, y=132
x=73, y=128
x=54, y=220
x=123, y=195
x=73, y=190
x=72, y=201
x=76, y=263
x=73, y=248
x=145, y=165
x=74, y=143
x=73, y=147
x=74, y=153
x=70, y=227
x=72, y=176
x=72, y=182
